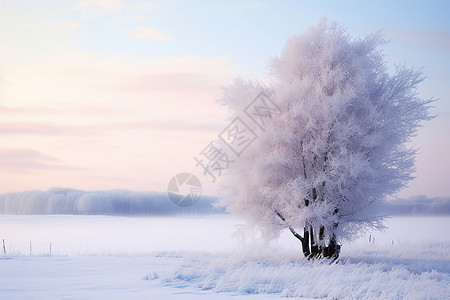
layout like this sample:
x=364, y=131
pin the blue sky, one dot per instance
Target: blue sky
x=102, y=94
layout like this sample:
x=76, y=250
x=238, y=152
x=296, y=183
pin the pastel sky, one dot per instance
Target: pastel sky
x=117, y=94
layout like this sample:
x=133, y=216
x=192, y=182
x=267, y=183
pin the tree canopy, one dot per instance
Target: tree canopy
x=338, y=145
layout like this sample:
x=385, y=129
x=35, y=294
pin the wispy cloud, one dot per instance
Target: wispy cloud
x=30, y=128
x=180, y=82
x=26, y=160
x=142, y=7
x=67, y=25
x=110, y=5
x=147, y=33
x=54, y=129
x=29, y=26
x=29, y=154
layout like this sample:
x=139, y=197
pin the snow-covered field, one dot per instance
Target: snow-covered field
x=201, y=257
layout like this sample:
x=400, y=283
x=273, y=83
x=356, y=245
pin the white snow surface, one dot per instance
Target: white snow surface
x=202, y=257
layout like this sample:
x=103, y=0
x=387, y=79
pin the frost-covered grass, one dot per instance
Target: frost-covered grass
x=351, y=278
x=98, y=257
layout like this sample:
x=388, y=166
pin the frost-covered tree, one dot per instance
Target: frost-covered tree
x=337, y=147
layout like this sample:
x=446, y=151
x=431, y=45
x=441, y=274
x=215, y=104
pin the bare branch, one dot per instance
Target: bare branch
x=292, y=230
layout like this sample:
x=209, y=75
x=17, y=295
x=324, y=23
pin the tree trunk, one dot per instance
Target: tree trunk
x=332, y=250
x=305, y=243
x=312, y=250
x=315, y=250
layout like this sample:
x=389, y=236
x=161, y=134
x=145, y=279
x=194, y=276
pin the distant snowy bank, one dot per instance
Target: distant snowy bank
x=419, y=205
x=123, y=202
x=112, y=202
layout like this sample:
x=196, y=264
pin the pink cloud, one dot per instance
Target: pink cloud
x=48, y=129
x=26, y=160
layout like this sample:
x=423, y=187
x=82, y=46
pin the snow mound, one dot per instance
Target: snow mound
x=366, y=277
